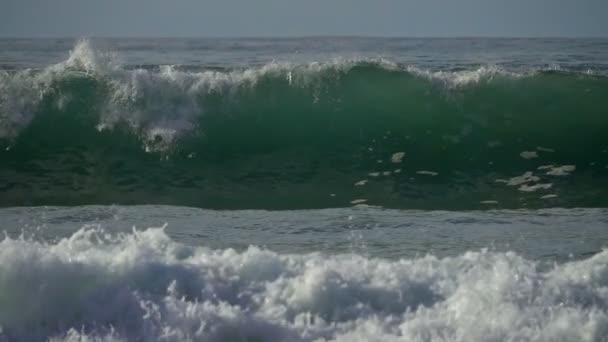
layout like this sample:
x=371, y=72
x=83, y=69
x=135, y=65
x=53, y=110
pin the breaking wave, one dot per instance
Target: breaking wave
x=90, y=130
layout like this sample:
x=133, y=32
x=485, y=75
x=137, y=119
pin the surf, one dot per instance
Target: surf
x=320, y=134
x=119, y=287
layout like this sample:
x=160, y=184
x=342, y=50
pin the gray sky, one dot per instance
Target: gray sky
x=303, y=17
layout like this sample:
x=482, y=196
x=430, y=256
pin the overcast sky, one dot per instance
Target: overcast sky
x=74, y=18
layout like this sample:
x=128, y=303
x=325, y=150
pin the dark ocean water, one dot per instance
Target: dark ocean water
x=310, y=189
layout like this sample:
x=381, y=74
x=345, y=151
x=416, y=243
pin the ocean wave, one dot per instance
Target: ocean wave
x=91, y=130
x=144, y=286
x=168, y=98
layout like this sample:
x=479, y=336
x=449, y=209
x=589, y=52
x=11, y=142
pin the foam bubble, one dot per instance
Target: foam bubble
x=545, y=149
x=529, y=154
x=563, y=170
x=527, y=177
x=535, y=187
x=397, y=157
x=361, y=182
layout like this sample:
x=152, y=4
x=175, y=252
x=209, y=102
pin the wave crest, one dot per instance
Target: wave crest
x=169, y=98
x=283, y=129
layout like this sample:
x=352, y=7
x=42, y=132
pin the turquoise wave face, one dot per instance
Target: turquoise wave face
x=303, y=136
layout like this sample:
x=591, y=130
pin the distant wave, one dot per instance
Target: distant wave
x=89, y=130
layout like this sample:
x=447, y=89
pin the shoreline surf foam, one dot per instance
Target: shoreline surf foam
x=143, y=285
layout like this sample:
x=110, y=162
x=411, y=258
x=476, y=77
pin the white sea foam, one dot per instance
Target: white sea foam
x=529, y=154
x=563, y=170
x=455, y=79
x=527, y=177
x=397, y=157
x=545, y=149
x=427, y=173
x=144, y=286
x=20, y=93
x=533, y=188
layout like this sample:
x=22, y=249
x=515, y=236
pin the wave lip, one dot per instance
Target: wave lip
x=144, y=286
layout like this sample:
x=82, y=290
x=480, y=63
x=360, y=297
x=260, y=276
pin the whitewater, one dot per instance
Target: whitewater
x=305, y=189
x=96, y=284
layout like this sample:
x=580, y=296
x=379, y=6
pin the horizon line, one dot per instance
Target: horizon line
x=317, y=36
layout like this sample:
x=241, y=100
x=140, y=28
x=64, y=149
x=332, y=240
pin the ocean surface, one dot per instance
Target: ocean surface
x=305, y=189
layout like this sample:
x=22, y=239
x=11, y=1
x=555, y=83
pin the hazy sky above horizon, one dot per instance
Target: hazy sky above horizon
x=34, y=18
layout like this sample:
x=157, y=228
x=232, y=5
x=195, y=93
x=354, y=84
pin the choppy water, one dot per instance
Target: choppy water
x=430, y=189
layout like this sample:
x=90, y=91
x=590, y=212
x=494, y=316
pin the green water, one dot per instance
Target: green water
x=295, y=137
